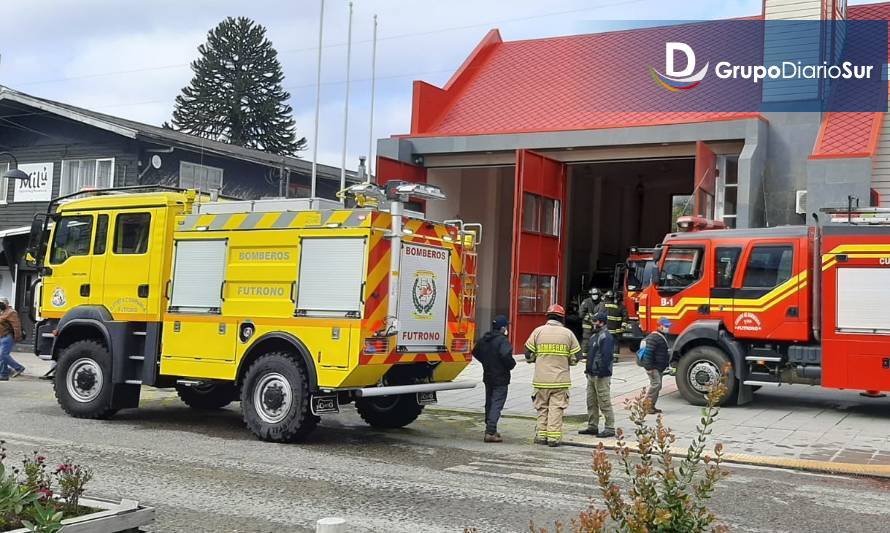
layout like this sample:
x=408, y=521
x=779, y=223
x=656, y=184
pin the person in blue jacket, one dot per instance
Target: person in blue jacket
x=654, y=357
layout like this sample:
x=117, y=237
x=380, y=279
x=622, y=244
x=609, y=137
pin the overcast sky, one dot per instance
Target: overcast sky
x=131, y=58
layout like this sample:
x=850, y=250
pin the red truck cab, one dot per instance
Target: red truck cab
x=775, y=306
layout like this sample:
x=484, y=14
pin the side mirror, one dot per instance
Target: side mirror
x=36, y=246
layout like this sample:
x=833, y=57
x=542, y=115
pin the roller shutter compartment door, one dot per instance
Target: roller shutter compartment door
x=198, y=276
x=331, y=277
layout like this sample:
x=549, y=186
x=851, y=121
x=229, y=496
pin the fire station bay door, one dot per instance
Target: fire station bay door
x=539, y=201
x=705, y=181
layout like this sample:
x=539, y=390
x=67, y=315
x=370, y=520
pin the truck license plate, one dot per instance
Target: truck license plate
x=426, y=398
x=325, y=404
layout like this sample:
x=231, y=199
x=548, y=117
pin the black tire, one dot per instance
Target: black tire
x=207, y=396
x=389, y=412
x=279, y=381
x=86, y=365
x=698, y=368
x=634, y=345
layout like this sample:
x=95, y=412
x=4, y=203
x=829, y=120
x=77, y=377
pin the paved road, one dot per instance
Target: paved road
x=206, y=473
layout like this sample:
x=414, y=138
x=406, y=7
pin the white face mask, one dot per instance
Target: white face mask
x=506, y=331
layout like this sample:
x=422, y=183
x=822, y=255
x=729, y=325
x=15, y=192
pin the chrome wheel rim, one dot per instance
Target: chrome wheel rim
x=273, y=398
x=703, y=375
x=84, y=380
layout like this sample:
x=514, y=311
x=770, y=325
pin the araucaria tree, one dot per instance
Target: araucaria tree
x=236, y=94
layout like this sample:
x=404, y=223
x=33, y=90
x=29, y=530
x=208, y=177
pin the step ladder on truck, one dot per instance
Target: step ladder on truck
x=777, y=306
x=294, y=307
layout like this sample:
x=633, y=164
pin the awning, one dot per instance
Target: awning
x=6, y=245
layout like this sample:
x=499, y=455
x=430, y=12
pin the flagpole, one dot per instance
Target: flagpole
x=317, y=102
x=346, y=106
x=373, y=82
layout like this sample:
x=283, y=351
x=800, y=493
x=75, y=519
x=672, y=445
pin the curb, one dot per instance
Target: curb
x=789, y=463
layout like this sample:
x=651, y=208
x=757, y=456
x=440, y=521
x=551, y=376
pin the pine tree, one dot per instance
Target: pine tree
x=236, y=94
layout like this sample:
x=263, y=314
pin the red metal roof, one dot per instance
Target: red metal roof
x=542, y=85
x=852, y=134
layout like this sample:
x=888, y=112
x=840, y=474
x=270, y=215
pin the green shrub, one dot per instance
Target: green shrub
x=660, y=493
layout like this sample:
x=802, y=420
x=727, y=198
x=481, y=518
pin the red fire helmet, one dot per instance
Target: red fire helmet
x=556, y=309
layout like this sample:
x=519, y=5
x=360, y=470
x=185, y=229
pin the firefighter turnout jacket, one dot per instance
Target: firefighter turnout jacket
x=553, y=348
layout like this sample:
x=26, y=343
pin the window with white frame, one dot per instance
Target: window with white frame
x=201, y=177
x=4, y=184
x=79, y=174
x=728, y=191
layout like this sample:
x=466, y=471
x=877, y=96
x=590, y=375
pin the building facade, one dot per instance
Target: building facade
x=564, y=191
x=66, y=149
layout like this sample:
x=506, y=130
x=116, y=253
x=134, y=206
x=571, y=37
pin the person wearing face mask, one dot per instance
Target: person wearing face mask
x=589, y=307
x=654, y=357
x=495, y=353
x=600, y=357
x=10, y=332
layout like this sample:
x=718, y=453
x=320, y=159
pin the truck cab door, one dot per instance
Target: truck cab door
x=132, y=264
x=725, y=267
x=766, y=304
x=97, y=262
x=69, y=259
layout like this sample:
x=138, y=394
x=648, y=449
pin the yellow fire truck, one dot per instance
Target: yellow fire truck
x=293, y=307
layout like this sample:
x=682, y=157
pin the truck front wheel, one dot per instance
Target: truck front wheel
x=275, y=399
x=207, y=396
x=389, y=411
x=83, y=380
x=700, y=369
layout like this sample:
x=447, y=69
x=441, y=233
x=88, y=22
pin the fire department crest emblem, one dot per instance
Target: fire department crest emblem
x=58, y=299
x=423, y=293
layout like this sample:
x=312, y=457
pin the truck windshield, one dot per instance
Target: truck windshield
x=72, y=238
x=681, y=268
x=635, y=275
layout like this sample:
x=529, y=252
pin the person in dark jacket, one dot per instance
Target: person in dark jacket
x=495, y=353
x=654, y=356
x=600, y=357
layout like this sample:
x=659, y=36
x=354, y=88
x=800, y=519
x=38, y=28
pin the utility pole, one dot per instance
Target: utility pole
x=346, y=106
x=373, y=82
x=317, y=102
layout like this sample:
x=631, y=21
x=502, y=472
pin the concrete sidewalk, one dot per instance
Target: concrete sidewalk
x=790, y=426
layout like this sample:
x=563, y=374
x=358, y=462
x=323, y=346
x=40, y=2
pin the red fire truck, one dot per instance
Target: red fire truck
x=783, y=305
x=629, y=281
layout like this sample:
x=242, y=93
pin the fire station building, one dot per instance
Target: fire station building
x=563, y=192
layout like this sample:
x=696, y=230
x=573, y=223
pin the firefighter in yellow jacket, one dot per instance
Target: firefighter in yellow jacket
x=553, y=348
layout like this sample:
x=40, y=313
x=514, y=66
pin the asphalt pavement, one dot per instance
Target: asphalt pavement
x=205, y=472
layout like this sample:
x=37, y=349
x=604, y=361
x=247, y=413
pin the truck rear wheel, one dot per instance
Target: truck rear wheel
x=389, y=412
x=275, y=399
x=83, y=380
x=207, y=396
x=699, y=369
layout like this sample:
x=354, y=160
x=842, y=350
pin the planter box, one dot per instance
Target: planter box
x=111, y=518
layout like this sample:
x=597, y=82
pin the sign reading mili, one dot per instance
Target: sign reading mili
x=39, y=188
